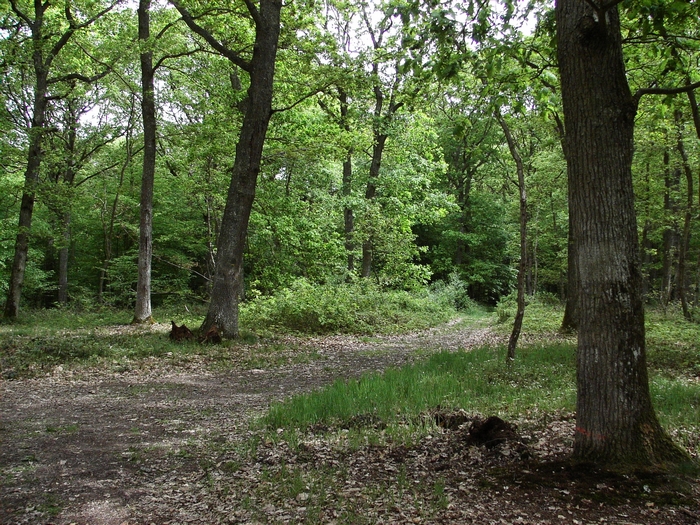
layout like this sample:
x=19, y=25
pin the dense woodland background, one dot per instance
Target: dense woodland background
x=440, y=202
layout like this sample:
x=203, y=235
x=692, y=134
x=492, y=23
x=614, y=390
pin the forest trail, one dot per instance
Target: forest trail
x=110, y=448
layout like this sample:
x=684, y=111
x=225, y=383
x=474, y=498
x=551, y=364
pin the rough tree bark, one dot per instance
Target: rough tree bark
x=36, y=135
x=227, y=282
x=142, y=312
x=615, y=420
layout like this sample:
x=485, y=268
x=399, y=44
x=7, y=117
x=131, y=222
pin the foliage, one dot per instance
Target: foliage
x=360, y=307
x=444, y=199
x=453, y=292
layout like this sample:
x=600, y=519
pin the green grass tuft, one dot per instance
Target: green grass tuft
x=477, y=381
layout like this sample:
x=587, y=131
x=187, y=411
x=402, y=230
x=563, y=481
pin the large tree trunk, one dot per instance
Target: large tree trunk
x=227, y=283
x=142, y=311
x=615, y=420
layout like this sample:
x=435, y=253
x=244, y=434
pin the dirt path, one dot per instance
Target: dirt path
x=114, y=448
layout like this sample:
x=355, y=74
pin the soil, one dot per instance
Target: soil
x=168, y=442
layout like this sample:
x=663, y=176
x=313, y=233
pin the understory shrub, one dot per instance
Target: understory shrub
x=454, y=293
x=344, y=308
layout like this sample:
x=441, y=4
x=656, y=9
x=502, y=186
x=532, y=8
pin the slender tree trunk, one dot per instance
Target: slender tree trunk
x=65, y=214
x=31, y=179
x=370, y=194
x=463, y=201
x=63, y=256
x=142, y=311
x=348, y=214
x=569, y=322
x=227, y=283
x=683, y=283
x=108, y=226
x=615, y=420
x=522, y=266
x=670, y=235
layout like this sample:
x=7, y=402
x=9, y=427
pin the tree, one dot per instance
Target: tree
x=227, y=285
x=615, y=420
x=45, y=48
x=522, y=265
x=72, y=144
x=142, y=311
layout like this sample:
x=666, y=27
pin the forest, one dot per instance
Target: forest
x=387, y=156
x=324, y=189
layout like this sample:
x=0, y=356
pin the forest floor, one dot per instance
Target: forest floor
x=168, y=441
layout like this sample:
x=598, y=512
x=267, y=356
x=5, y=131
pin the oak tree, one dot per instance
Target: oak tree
x=615, y=420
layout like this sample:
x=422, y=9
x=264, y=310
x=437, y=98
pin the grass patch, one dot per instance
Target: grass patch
x=477, y=381
x=542, y=380
x=673, y=344
x=39, y=341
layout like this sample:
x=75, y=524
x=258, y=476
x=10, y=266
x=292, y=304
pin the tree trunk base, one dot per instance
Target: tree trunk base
x=656, y=453
x=149, y=320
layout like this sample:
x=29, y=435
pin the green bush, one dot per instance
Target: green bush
x=343, y=308
x=454, y=292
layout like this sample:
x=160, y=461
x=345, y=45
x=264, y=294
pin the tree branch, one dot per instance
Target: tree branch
x=73, y=27
x=162, y=59
x=78, y=76
x=234, y=57
x=607, y=6
x=302, y=99
x=664, y=91
x=20, y=14
x=253, y=12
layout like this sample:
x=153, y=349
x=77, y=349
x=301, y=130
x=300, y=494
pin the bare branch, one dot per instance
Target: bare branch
x=162, y=59
x=305, y=97
x=79, y=77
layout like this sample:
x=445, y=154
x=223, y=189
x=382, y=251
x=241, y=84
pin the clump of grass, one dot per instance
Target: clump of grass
x=673, y=344
x=543, y=313
x=477, y=381
x=360, y=308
